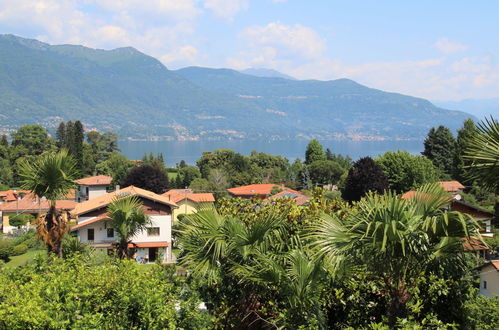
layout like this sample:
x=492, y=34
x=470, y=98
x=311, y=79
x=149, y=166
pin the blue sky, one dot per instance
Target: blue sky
x=440, y=50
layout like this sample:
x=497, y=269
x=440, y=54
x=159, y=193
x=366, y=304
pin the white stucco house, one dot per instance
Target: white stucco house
x=93, y=225
x=92, y=187
x=489, y=278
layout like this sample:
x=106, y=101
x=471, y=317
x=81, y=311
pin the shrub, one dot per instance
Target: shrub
x=75, y=294
x=5, y=250
x=19, y=249
x=482, y=313
x=19, y=220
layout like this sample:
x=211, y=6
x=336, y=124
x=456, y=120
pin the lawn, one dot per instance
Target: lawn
x=23, y=258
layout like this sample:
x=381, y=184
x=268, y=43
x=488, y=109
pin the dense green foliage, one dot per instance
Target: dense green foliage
x=465, y=136
x=364, y=176
x=80, y=294
x=407, y=172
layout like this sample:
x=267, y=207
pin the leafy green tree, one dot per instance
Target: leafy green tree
x=127, y=219
x=398, y=241
x=365, y=175
x=188, y=174
x=155, y=161
x=464, y=137
x=60, y=135
x=182, y=164
x=18, y=220
x=6, y=173
x=325, y=172
x=407, y=172
x=102, y=145
x=51, y=176
x=440, y=147
x=314, y=152
x=146, y=177
x=31, y=140
x=116, y=166
x=3, y=141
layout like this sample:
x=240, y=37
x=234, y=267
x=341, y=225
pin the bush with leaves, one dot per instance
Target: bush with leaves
x=5, y=250
x=482, y=313
x=75, y=294
x=19, y=249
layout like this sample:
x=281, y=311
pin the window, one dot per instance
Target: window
x=485, y=284
x=110, y=232
x=153, y=231
x=90, y=234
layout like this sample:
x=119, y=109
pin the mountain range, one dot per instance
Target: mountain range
x=137, y=96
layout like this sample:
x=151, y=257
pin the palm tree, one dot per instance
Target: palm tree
x=396, y=240
x=483, y=151
x=251, y=263
x=51, y=176
x=128, y=219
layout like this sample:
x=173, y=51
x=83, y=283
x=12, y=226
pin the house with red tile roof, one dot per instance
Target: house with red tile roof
x=489, y=278
x=452, y=187
x=12, y=195
x=189, y=202
x=93, y=223
x=33, y=205
x=91, y=187
x=255, y=190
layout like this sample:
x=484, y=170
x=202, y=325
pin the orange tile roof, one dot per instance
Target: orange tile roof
x=495, y=263
x=104, y=200
x=474, y=244
x=11, y=195
x=99, y=180
x=177, y=195
x=298, y=197
x=89, y=222
x=254, y=189
x=451, y=186
x=35, y=204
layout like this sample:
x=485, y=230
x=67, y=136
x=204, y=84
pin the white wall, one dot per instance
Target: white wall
x=491, y=276
x=100, y=234
x=93, y=191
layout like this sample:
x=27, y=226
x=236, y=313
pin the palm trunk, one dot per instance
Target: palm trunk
x=123, y=249
x=398, y=303
x=51, y=229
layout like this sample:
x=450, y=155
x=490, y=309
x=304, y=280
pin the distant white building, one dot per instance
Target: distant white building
x=93, y=224
x=92, y=187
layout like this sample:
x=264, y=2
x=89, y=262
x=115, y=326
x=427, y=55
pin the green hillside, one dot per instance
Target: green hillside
x=137, y=96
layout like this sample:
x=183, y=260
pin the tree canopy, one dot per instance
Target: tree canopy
x=364, y=176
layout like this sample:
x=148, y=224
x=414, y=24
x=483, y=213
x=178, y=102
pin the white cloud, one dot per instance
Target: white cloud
x=276, y=39
x=447, y=46
x=226, y=9
x=183, y=54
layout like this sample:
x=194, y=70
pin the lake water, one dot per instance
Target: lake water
x=190, y=151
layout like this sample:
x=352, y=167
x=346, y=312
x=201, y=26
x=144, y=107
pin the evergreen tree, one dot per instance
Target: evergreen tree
x=329, y=154
x=365, y=175
x=440, y=148
x=306, y=181
x=314, y=152
x=464, y=136
x=182, y=164
x=61, y=135
x=78, y=137
x=3, y=141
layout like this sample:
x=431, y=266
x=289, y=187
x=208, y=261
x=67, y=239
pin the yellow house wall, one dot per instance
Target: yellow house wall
x=491, y=275
x=188, y=207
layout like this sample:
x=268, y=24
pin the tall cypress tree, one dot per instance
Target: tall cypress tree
x=464, y=137
x=440, y=148
x=78, y=138
x=61, y=135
